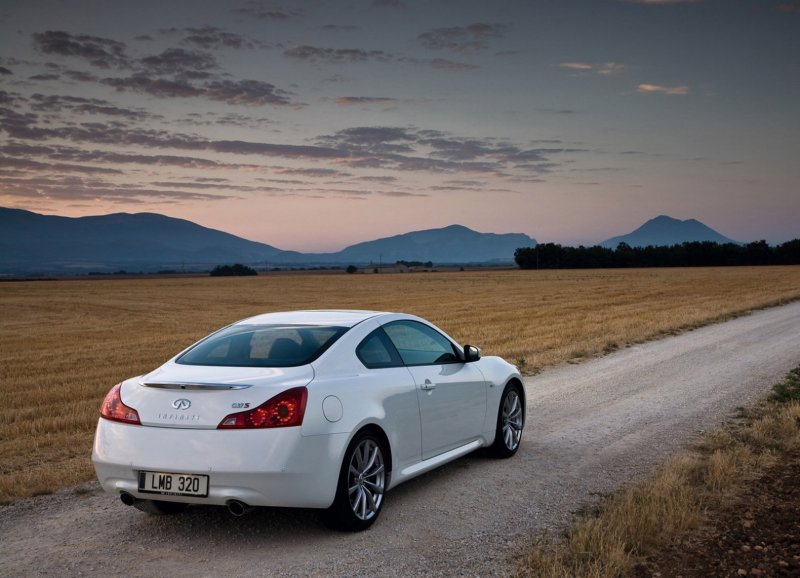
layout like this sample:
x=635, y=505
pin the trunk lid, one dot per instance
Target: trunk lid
x=190, y=396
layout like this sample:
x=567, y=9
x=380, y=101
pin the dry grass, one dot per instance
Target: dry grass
x=63, y=344
x=675, y=500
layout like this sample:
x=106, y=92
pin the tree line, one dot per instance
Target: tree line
x=690, y=254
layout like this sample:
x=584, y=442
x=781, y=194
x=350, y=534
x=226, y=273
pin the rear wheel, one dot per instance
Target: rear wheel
x=362, y=483
x=510, y=420
x=159, y=508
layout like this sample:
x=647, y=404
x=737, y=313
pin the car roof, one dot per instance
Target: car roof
x=337, y=317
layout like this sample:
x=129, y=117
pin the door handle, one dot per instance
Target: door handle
x=428, y=385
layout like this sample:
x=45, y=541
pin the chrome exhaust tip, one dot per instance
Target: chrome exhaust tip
x=127, y=499
x=237, y=508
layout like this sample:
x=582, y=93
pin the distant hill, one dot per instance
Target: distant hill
x=665, y=230
x=453, y=244
x=34, y=243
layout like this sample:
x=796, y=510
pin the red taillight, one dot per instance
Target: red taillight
x=115, y=410
x=284, y=410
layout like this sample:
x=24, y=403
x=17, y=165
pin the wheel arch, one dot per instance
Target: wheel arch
x=377, y=430
x=518, y=382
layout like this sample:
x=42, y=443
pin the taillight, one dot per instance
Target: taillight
x=115, y=410
x=284, y=410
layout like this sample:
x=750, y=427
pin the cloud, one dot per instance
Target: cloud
x=71, y=188
x=160, y=87
x=93, y=106
x=260, y=12
x=660, y=89
x=353, y=55
x=310, y=172
x=378, y=179
x=178, y=61
x=788, y=8
x=338, y=27
x=662, y=2
x=100, y=52
x=576, y=65
x=464, y=39
x=602, y=68
x=353, y=100
x=315, y=53
x=4, y=70
x=247, y=92
x=211, y=37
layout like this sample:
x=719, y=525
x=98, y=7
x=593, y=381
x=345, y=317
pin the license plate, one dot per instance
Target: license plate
x=170, y=484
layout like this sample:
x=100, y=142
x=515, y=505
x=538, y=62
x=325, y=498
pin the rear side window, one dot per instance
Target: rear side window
x=262, y=346
x=419, y=344
x=377, y=351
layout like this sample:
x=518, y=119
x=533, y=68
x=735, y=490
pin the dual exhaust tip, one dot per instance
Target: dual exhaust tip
x=235, y=507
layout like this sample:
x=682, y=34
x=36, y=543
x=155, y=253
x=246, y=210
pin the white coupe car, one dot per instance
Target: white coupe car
x=311, y=409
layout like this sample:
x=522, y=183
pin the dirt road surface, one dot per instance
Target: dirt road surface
x=592, y=427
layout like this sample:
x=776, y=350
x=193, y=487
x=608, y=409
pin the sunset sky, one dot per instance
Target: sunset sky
x=312, y=125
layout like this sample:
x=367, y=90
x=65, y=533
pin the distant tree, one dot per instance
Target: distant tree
x=235, y=270
x=689, y=254
x=351, y=269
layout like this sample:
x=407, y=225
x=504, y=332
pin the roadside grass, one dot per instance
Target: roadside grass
x=63, y=344
x=681, y=496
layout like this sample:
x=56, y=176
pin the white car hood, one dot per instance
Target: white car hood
x=192, y=396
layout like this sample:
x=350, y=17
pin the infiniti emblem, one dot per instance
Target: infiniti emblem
x=182, y=403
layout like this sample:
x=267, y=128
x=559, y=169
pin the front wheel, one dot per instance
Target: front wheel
x=510, y=421
x=362, y=483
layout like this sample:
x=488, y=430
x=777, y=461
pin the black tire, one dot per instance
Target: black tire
x=160, y=508
x=362, y=483
x=510, y=421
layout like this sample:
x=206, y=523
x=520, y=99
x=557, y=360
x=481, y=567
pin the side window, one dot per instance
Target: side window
x=376, y=351
x=419, y=344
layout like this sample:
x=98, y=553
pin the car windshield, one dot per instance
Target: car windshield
x=263, y=346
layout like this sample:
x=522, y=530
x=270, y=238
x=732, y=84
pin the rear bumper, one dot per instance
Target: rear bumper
x=274, y=467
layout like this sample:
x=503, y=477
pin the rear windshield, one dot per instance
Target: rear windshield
x=262, y=346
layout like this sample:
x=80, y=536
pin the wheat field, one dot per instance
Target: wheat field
x=64, y=343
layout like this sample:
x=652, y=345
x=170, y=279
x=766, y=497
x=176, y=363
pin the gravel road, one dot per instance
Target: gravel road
x=592, y=427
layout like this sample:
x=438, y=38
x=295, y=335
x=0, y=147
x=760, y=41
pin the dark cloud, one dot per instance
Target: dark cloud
x=339, y=27
x=248, y=92
x=44, y=77
x=315, y=53
x=210, y=37
x=71, y=188
x=440, y=63
x=94, y=106
x=310, y=172
x=261, y=12
x=377, y=179
x=350, y=100
x=789, y=8
x=179, y=62
x=100, y=52
x=4, y=70
x=464, y=39
x=80, y=76
x=160, y=87
x=26, y=164
x=336, y=55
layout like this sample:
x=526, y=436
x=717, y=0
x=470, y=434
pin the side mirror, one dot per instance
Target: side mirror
x=471, y=353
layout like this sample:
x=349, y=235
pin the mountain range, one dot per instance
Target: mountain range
x=33, y=243
x=30, y=242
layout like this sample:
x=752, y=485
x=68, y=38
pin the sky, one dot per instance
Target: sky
x=311, y=125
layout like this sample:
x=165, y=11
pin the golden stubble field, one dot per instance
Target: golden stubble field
x=63, y=344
